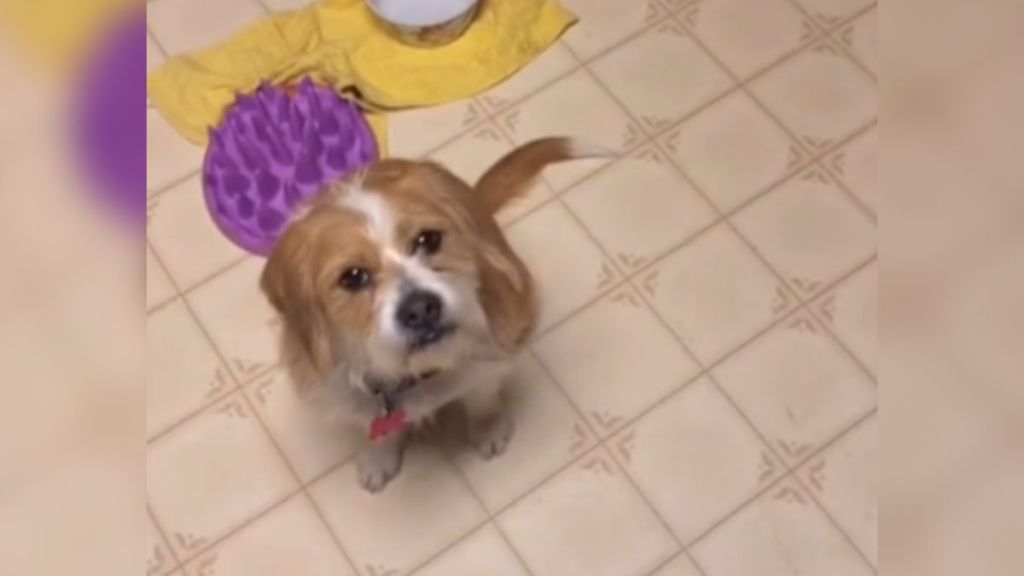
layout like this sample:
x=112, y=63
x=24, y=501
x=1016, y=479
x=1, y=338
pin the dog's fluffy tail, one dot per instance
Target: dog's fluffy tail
x=511, y=177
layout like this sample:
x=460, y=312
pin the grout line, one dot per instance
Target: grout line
x=156, y=41
x=248, y=402
x=489, y=114
x=230, y=533
x=793, y=469
x=654, y=133
x=491, y=518
x=215, y=275
x=205, y=280
x=511, y=103
x=174, y=183
x=833, y=335
x=682, y=553
x=449, y=546
x=832, y=519
x=643, y=29
x=643, y=497
x=187, y=417
x=245, y=398
x=745, y=84
x=209, y=403
x=848, y=50
x=303, y=488
x=646, y=138
x=771, y=485
x=176, y=563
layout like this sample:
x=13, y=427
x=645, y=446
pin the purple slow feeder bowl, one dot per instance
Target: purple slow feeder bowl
x=274, y=150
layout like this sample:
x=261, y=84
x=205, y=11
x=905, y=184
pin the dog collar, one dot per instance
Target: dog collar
x=391, y=416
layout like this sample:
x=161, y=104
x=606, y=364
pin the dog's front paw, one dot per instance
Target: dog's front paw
x=378, y=465
x=492, y=436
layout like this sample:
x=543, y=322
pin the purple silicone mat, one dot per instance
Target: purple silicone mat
x=275, y=149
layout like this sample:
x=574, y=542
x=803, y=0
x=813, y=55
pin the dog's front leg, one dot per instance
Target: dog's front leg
x=380, y=460
x=490, y=426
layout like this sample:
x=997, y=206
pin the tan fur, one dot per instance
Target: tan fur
x=329, y=333
x=512, y=176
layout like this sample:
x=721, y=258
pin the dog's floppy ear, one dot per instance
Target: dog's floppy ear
x=287, y=281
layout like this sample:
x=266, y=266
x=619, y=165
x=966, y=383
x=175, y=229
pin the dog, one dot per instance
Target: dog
x=400, y=295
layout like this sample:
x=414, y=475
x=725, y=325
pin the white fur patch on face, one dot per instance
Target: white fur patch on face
x=380, y=220
x=381, y=227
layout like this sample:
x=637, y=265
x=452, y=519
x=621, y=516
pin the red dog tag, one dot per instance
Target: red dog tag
x=385, y=424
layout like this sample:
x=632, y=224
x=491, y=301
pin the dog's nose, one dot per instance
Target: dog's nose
x=420, y=310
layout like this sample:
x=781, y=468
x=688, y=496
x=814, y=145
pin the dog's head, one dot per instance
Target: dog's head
x=384, y=272
x=401, y=269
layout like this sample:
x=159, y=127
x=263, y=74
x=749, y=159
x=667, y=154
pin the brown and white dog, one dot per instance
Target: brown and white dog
x=399, y=294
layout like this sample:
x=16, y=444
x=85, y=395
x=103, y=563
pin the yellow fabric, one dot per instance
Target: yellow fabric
x=338, y=43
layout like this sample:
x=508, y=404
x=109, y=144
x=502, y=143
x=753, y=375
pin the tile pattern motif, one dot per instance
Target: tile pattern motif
x=701, y=397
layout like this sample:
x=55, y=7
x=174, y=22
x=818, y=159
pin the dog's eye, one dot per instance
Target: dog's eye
x=354, y=279
x=427, y=242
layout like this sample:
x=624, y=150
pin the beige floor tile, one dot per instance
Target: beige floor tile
x=604, y=23
x=832, y=12
x=394, y=531
x=158, y=556
x=548, y=435
x=820, y=95
x=569, y=269
x=158, y=286
x=553, y=63
x=182, y=232
x=781, y=534
x=797, y=386
x=615, y=359
x=154, y=56
x=715, y=293
x=417, y=132
x=748, y=36
x=575, y=106
x=169, y=157
x=243, y=325
x=856, y=164
x=851, y=311
x=612, y=359
x=278, y=5
x=310, y=440
x=679, y=566
x=469, y=156
x=587, y=520
x=212, y=474
x=844, y=478
x=639, y=208
x=661, y=75
x=483, y=552
x=809, y=230
x=187, y=25
x=861, y=38
x=733, y=150
x=183, y=372
x=290, y=539
x=696, y=459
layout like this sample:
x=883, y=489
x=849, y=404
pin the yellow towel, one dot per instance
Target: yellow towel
x=338, y=43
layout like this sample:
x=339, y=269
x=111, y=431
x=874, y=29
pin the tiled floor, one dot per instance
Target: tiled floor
x=701, y=397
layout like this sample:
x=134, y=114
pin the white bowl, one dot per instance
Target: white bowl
x=425, y=23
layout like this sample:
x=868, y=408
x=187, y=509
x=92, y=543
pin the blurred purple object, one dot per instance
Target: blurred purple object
x=111, y=119
x=275, y=150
